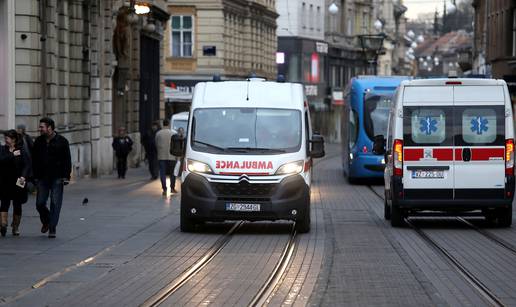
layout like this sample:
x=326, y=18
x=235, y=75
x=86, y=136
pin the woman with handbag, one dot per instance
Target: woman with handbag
x=15, y=165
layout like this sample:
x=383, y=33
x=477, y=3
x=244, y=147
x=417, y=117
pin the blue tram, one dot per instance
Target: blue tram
x=368, y=100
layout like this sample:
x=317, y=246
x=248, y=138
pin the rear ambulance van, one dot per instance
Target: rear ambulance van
x=248, y=154
x=179, y=120
x=449, y=148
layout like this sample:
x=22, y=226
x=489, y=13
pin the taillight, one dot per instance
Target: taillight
x=398, y=157
x=509, y=157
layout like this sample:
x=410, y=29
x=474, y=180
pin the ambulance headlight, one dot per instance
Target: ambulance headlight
x=199, y=167
x=291, y=168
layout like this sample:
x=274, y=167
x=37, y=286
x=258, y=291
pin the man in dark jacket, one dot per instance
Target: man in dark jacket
x=151, y=152
x=122, y=145
x=52, y=168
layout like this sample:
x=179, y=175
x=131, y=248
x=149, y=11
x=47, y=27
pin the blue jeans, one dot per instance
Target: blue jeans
x=54, y=189
x=164, y=166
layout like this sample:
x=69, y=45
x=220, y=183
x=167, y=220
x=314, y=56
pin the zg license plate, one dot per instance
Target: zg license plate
x=242, y=207
x=427, y=174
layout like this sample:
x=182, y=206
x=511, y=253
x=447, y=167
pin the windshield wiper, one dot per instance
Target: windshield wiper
x=249, y=149
x=210, y=145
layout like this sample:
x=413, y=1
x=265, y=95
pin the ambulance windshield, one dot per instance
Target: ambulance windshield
x=376, y=114
x=246, y=130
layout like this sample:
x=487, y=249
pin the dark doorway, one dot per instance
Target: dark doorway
x=149, y=82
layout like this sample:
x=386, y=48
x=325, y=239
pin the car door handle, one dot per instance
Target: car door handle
x=466, y=154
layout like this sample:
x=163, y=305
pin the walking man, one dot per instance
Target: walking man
x=149, y=143
x=166, y=160
x=123, y=145
x=52, y=167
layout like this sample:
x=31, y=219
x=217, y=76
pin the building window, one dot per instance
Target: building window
x=365, y=23
x=349, y=27
x=182, y=36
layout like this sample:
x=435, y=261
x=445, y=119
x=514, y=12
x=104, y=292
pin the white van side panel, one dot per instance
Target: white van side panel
x=509, y=119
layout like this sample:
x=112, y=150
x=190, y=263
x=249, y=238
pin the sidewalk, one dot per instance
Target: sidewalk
x=130, y=212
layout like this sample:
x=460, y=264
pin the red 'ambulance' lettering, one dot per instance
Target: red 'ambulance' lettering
x=243, y=165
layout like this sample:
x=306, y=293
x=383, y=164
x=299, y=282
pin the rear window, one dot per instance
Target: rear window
x=427, y=126
x=480, y=125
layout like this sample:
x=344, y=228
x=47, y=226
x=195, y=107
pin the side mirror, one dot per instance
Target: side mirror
x=379, y=145
x=177, y=145
x=317, y=150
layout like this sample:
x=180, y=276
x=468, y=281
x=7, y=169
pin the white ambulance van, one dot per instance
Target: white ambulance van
x=449, y=148
x=248, y=154
x=179, y=120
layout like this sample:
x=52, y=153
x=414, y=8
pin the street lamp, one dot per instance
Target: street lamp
x=371, y=44
x=333, y=9
x=137, y=8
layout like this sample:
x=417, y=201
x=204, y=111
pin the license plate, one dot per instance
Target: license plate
x=242, y=207
x=427, y=174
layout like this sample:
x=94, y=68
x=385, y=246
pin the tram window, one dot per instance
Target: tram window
x=376, y=114
x=353, y=128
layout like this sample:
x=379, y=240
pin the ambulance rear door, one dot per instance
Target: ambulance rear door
x=428, y=166
x=479, y=124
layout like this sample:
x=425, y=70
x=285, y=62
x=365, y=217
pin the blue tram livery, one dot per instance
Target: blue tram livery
x=367, y=103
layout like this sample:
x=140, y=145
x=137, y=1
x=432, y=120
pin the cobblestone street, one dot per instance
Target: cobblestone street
x=124, y=246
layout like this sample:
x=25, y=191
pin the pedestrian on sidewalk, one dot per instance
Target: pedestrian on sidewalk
x=122, y=145
x=52, y=168
x=27, y=140
x=166, y=160
x=178, y=138
x=15, y=166
x=28, y=145
x=151, y=154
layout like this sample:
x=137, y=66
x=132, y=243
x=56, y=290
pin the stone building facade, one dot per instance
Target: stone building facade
x=229, y=38
x=494, y=50
x=62, y=64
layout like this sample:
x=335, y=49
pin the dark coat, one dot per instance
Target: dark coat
x=51, y=160
x=149, y=143
x=13, y=167
x=122, y=146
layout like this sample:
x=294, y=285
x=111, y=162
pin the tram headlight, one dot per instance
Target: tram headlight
x=291, y=168
x=199, y=167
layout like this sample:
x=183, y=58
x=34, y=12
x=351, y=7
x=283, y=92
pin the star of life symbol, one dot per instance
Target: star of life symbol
x=479, y=125
x=428, y=125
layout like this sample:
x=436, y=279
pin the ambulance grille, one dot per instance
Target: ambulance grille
x=244, y=189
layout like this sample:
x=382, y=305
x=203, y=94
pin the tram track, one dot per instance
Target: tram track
x=264, y=293
x=159, y=297
x=466, y=274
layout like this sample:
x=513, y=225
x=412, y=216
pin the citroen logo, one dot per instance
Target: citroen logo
x=243, y=177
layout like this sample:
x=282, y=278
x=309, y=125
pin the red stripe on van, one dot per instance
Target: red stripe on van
x=483, y=154
x=413, y=154
x=445, y=154
x=458, y=154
